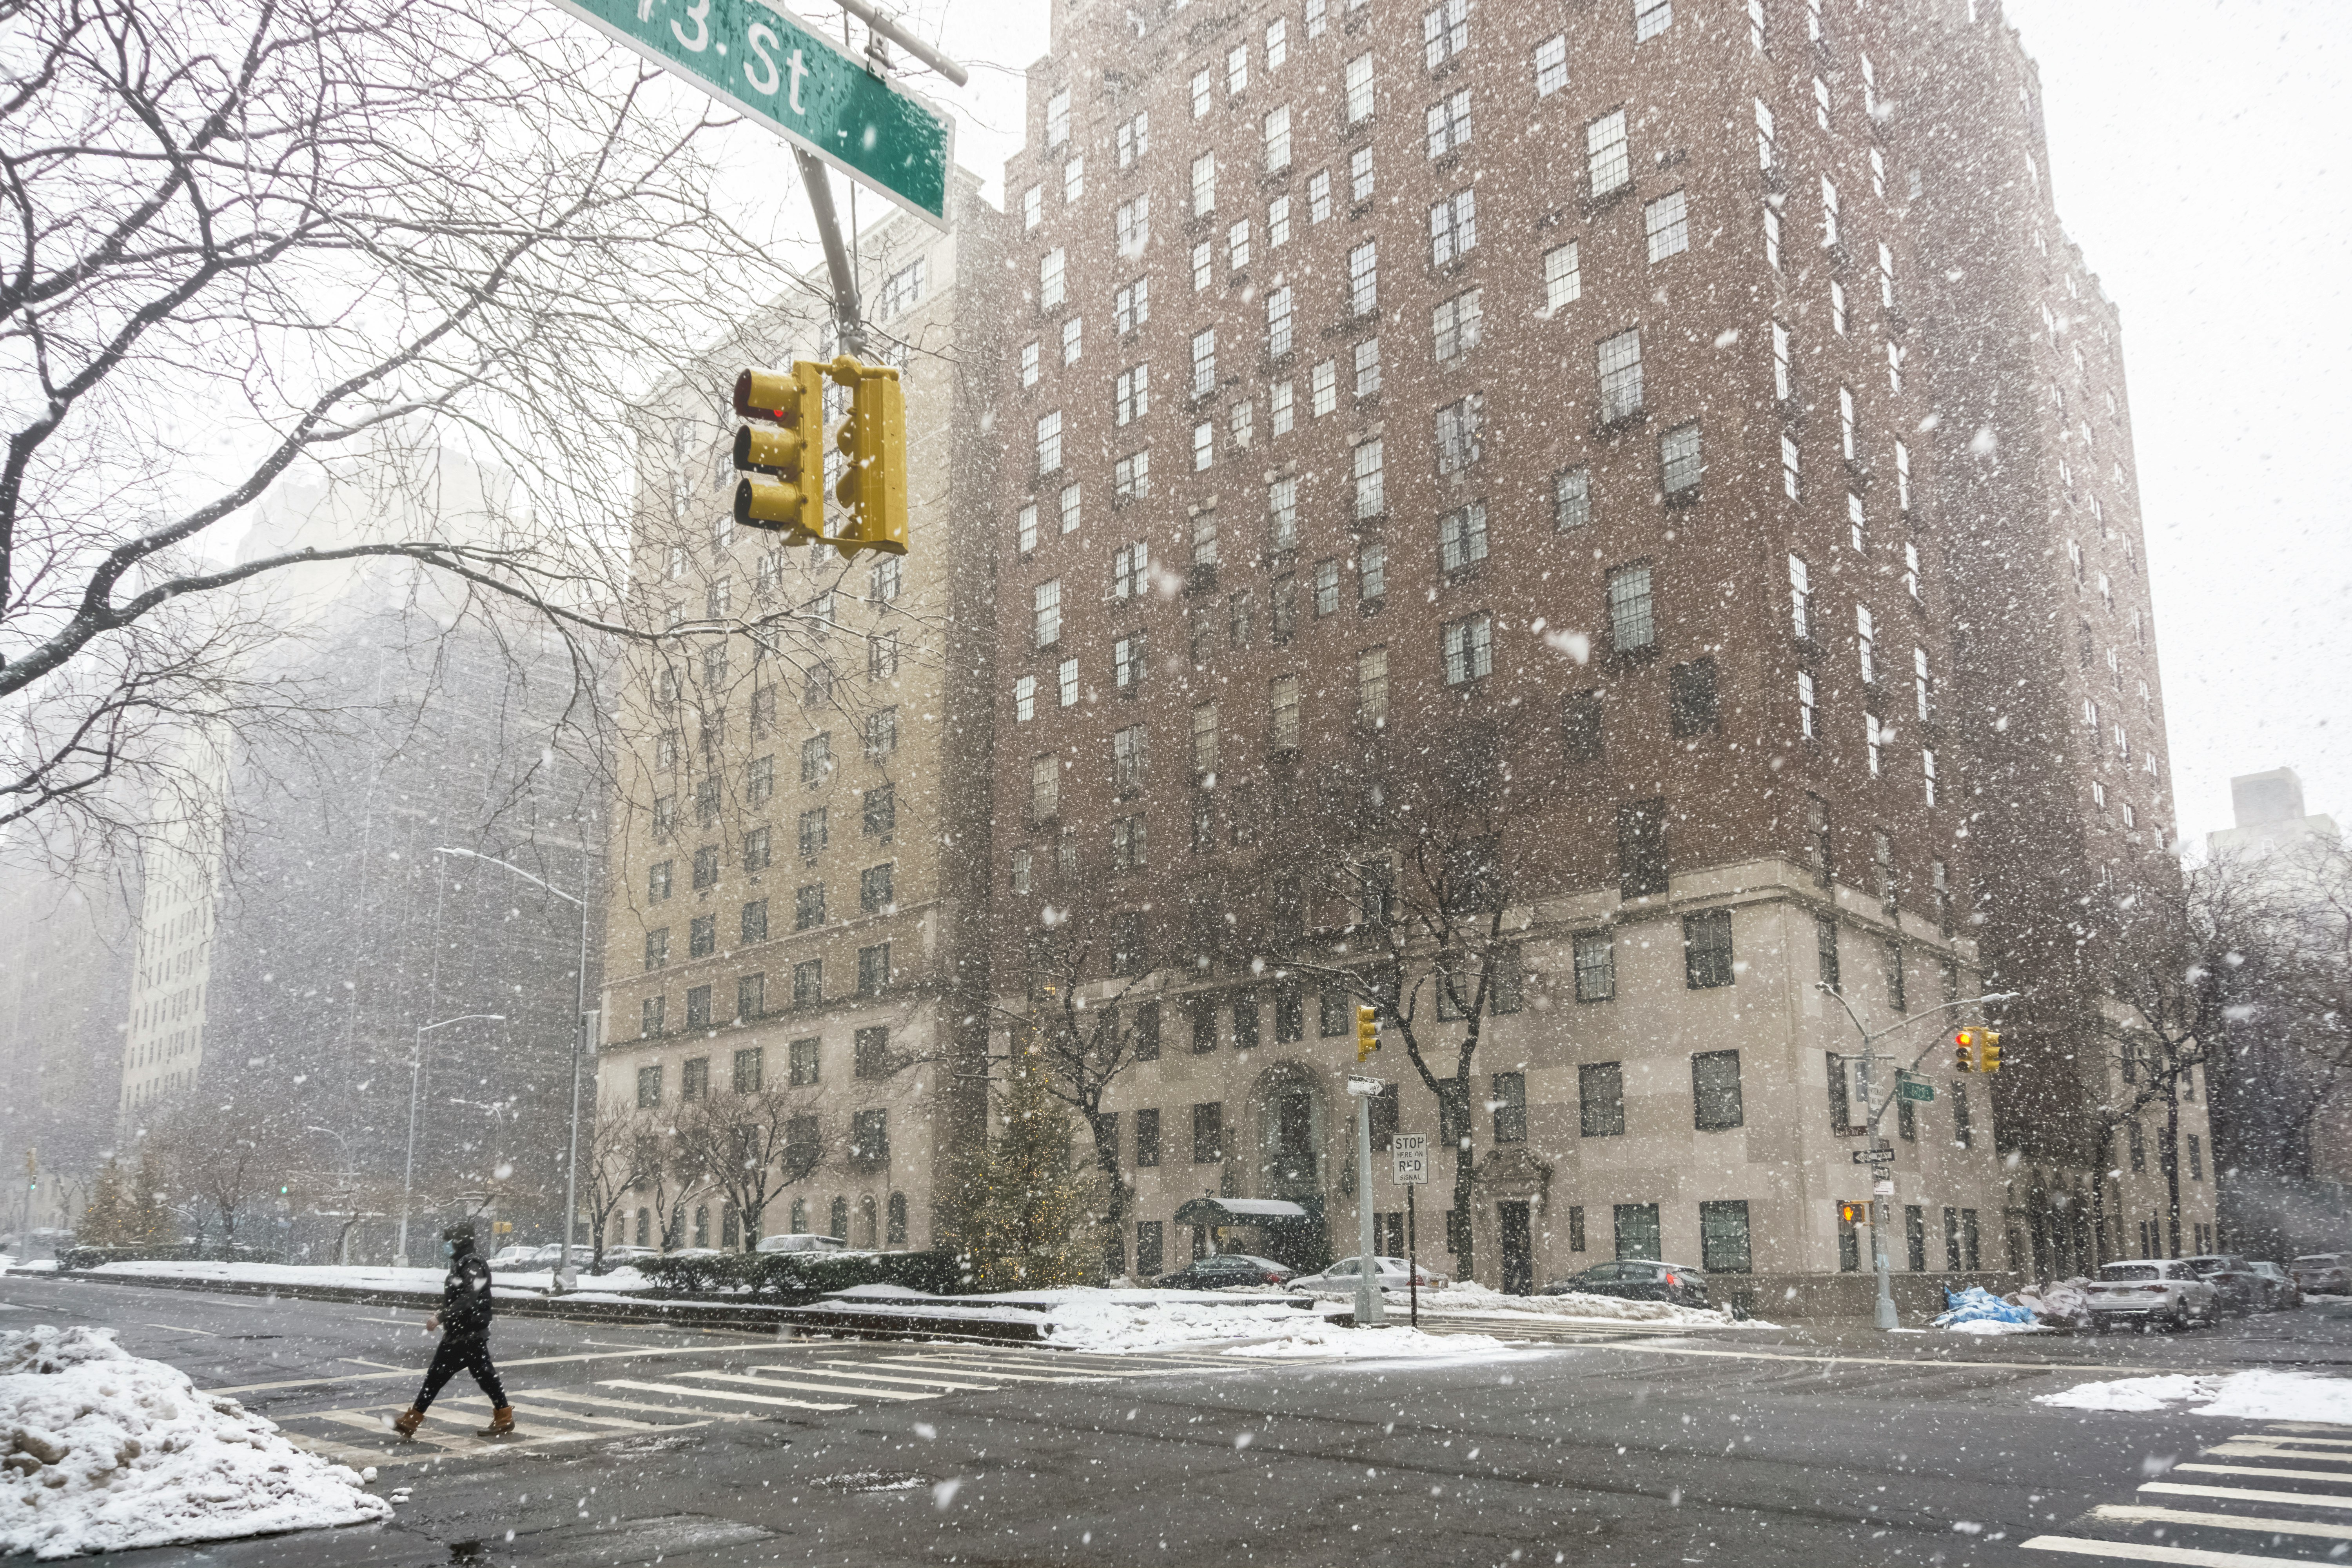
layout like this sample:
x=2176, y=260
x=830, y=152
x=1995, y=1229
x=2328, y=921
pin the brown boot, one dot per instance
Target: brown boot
x=501, y=1422
x=407, y=1422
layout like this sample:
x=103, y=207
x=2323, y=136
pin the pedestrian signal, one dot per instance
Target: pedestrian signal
x=1368, y=1033
x=782, y=456
x=1853, y=1213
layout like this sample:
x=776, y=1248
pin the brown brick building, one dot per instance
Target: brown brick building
x=1630, y=443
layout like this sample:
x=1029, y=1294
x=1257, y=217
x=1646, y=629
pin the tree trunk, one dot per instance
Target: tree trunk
x=2099, y=1239
x=1464, y=1170
x=1107, y=1160
x=2172, y=1165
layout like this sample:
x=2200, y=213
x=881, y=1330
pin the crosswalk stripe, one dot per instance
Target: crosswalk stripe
x=2249, y=1494
x=376, y=1424
x=718, y=1394
x=859, y=1370
x=2274, y=1451
x=534, y=1415
x=2132, y=1551
x=754, y=1381
x=326, y=1448
x=2133, y=1513
x=2263, y=1470
x=971, y=1367
x=2298, y=1442
x=606, y=1401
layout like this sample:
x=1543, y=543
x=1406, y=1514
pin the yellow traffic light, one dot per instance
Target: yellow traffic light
x=1368, y=1033
x=1964, y=1051
x=873, y=439
x=781, y=458
x=1991, y=1052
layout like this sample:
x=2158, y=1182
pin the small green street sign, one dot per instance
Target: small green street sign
x=775, y=69
x=1914, y=1088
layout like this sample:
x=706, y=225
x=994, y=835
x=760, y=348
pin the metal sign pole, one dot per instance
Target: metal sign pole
x=1412, y=1256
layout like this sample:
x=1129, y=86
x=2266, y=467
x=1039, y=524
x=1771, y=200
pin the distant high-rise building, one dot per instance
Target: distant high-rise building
x=2269, y=813
x=1663, y=459
x=799, y=850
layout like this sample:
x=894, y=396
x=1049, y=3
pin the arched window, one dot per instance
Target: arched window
x=865, y=1228
x=839, y=1229
x=644, y=1227
x=701, y=1225
x=896, y=1234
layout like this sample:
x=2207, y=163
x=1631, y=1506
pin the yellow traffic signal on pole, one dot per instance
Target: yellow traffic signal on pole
x=1853, y=1213
x=873, y=439
x=1991, y=1055
x=1964, y=1051
x=782, y=456
x=1368, y=1033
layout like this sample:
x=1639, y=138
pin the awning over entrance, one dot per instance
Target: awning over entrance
x=1241, y=1211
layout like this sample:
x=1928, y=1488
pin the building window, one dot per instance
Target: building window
x=1462, y=537
x=1723, y=1236
x=1046, y=612
x=1564, y=279
x=1286, y=713
x=1667, y=223
x=1706, y=949
x=1449, y=124
x=882, y=734
x=1596, y=966
x=1359, y=175
x=1458, y=433
x=1371, y=499
x=1364, y=279
x=1571, y=499
x=1691, y=699
x=1453, y=228
x=1620, y=359
x=874, y=969
x=1050, y=275
x=1469, y=649
x=1601, y=1099
x=751, y=993
x=1642, y=848
x=1715, y=1091
x=1509, y=1099
x=649, y=1088
x=1445, y=32
x=808, y=983
x=808, y=907
x=1372, y=687
x=1679, y=461
x=1208, y=1133
x=1632, y=626
x=1895, y=997
x=1368, y=368
x=1580, y=727
x=657, y=948
x=1456, y=325
x=873, y=894
x=1607, y=161
x=649, y=1017
x=1129, y=756
x=1359, y=80
x=1551, y=65
x=755, y=921
x=1049, y=443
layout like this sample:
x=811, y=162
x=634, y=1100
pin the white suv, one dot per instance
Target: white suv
x=2151, y=1291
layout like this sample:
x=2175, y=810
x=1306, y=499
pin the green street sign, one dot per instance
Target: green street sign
x=783, y=74
x=1917, y=1088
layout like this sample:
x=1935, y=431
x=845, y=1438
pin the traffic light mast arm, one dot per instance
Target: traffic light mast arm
x=846, y=317
x=1870, y=1039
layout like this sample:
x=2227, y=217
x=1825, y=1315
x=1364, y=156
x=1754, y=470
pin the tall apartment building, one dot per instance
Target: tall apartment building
x=165, y=1038
x=1515, y=428
x=800, y=857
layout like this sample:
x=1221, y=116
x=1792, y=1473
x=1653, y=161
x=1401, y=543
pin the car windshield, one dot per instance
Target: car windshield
x=2321, y=1259
x=2132, y=1271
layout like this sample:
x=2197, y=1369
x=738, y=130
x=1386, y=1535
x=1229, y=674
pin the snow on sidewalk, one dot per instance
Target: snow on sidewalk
x=1470, y=1298
x=420, y=1282
x=1128, y=1321
x=2256, y=1396
x=106, y=1451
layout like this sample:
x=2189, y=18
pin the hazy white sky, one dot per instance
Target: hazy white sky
x=2200, y=151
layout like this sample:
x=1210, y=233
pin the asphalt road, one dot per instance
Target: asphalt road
x=1754, y=1447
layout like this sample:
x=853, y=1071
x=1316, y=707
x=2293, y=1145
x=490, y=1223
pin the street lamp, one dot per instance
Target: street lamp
x=567, y=1278
x=416, y=1080
x=1876, y=1109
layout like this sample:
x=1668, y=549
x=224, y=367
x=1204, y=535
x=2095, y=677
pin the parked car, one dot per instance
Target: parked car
x=1220, y=1269
x=2280, y=1293
x=1636, y=1279
x=2323, y=1273
x=2152, y=1291
x=513, y=1256
x=1395, y=1274
x=802, y=1241
x=2237, y=1285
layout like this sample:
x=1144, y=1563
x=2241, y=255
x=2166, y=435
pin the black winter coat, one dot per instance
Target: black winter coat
x=466, y=1305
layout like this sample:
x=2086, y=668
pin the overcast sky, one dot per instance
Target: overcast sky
x=2200, y=152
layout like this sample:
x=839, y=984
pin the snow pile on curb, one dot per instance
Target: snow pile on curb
x=2258, y=1395
x=1320, y=1338
x=2067, y=1302
x=420, y=1282
x=1100, y=1321
x=1469, y=1297
x=106, y=1451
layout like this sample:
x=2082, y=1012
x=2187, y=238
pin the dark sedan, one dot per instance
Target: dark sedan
x=1636, y=1279
x=2236, y=1285
x=1221, y=1269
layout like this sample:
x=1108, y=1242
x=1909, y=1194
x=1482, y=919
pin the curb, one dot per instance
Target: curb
x=693, y=1314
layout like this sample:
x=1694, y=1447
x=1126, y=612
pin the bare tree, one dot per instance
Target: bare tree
x=610, y=1145
x=222, y=1159
x=1421, y=940
x=667, y=1174
x=1078, y=1046
x=328, y=240
x=750, y=1143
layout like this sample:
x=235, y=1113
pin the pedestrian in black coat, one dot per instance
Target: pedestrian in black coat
x=464, y=1323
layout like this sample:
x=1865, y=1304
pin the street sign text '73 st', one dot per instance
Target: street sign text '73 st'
x=785, y=75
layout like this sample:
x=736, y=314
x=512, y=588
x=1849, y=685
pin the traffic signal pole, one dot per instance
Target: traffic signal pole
x=1371, y=1306
x=1882, y=1203
x=848, y=317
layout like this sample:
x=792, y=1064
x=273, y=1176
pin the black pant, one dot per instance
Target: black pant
x=462, y=1351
